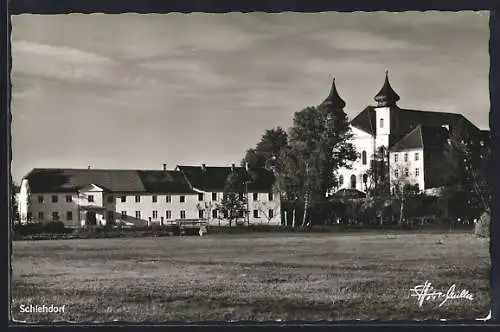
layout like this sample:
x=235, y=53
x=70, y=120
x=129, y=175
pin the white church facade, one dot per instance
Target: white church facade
x=412, y=141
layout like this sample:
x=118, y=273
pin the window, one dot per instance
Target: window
x=417, y=172
x=183, y=214
x=110, y=199
x=55, y=216
x=111, y=216
x=154, y=198
x=417, y=186
x=168, y=214
x=214, y=196
x=54, y=198
x=381, y=123
x=416, y=156
x=182, y=199
x=270, y=196
x=353, y=181
x=396, y=173
x=28, y=215
x=271, y=214
x=225, y=214
x=240, y=214
x=396, y=157
x=363, y=158
x=40, y=199
x=200, y=197
x=406, y=156
x=91, y=198
x=407, y=173
x=69, y=215
x=255, y=213
x=341, y=180
x=124, y=215
x=200, y=214
x=214, y=213
x=123, y=199
x=168, y=199
x=255, y=196
x=137, y=199
x=138, y=214
x=365, y=178
x=69, y=198
x=155, y=214
x=40, y=215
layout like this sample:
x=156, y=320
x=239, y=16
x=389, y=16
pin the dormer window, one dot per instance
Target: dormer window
x=381, y=123
x=363, y=158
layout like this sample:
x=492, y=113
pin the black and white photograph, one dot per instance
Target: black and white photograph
x=250, y=167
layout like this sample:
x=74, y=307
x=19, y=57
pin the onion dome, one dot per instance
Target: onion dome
x=386, y=97
x=333, y=101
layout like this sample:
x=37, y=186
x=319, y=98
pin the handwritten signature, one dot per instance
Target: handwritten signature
x=426, y=292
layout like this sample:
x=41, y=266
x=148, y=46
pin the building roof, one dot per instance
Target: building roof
x=366, y=120
x=333, y=101
x=405, y=120
x=55, y=180
x=423, y=136
x=209, y=178
x=386, y=97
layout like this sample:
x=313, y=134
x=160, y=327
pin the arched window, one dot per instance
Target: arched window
x=365, y=178
x=363, y=157
x=341, y=180
x=353, y=181
x=381, y=123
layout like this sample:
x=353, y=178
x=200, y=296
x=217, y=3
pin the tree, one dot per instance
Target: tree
x=402, y=189
x=233, y=203
x=320, y=141
x=207, y=208
x=379, y=173
x=468, y=166
x=270, y=145
x=15, y=218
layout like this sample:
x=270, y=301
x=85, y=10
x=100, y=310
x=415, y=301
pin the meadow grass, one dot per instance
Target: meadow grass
x=250, y=277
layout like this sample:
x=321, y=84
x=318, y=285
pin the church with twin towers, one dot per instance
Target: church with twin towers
x=413, y=141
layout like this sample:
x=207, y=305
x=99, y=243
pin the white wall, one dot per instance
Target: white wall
x=362, y=141
x=262, y=205
x=146, y=206
x=412, y=165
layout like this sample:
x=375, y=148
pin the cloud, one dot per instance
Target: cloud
x=64, y=54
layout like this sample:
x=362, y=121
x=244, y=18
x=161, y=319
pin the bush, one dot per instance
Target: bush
x=55, y=227
x=482, y=227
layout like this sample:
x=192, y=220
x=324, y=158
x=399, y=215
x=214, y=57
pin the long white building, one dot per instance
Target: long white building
x=80, y=197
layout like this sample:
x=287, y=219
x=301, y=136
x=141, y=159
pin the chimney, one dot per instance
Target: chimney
x=164, y=167
x=203, y=167
x=246, y=166
x=233, y=167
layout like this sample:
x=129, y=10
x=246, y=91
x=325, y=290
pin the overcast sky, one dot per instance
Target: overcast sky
x=137, y=91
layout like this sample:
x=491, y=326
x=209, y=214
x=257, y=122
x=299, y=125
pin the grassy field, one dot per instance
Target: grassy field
x=250, y=277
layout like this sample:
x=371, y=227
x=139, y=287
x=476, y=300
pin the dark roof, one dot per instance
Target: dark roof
x=333, y=100
x=211, y=178
x=386, y=97
x=366, y=120
x=423, y=136
x=70, y=180
x=406, y=120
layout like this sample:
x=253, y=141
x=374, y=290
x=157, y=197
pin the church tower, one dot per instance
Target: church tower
x=386, y=103
x=333, y=102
